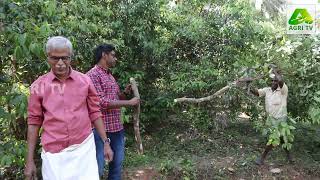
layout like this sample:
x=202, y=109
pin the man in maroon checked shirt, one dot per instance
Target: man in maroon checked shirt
x=111, y=100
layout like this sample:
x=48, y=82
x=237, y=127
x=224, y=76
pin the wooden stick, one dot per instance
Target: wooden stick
x=136, y=116
x=218, y=93
x=249, y=79
x=200, y=100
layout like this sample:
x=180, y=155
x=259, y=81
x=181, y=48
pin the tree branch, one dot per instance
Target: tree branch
x=200, y=100
x=218, y=93
x=136, y=116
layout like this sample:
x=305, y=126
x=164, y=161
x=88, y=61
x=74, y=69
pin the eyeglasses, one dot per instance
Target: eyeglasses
x=57, y=58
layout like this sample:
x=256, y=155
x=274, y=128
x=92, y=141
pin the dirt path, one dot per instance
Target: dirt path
x=143, y=173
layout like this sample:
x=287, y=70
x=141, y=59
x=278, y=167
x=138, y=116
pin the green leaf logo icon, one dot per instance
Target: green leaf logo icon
x=300, y=16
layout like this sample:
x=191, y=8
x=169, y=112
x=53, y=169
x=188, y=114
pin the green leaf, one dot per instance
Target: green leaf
x=22, y=109
x=2, y=16
x=292, y=127
x=45, y=29
x=35, y=49
x=3, y=113
x=18, y=54
x=317, y=99
x=22, y=39
x=16, y=100
x=276, y=142
x=32, y=48
x=288, y=131
x=292, y=120
x=51, y=7
x=314, y=113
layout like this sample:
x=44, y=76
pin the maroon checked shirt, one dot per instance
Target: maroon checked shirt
x=107, y=89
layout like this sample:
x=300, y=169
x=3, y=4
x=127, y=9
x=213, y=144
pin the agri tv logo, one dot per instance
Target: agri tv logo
x=301, y=19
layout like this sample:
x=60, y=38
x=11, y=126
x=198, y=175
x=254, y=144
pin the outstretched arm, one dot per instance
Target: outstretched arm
x=278, y=76
x=254, y=91
x=248, y=81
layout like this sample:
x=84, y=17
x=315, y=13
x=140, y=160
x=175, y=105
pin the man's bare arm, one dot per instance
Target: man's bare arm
x=98, y=124
x=279, y=78
x=33, y=133
x=254, y=91
x=123, y=103
x=108, y=153
x=122, y=96
x=249, y=80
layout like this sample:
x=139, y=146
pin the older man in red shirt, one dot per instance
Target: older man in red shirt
x=64, y=103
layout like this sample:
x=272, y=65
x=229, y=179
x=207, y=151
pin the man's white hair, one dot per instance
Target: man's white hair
x=58, y=42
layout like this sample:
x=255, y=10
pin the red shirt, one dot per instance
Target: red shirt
x=108, y=90
x=64, y=109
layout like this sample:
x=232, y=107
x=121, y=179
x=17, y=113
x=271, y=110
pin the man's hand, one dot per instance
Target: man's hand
x=134, y=101
x=128, y=89
x=30, y=170
x=108, y=153
x=272, y=66
x=276, y=71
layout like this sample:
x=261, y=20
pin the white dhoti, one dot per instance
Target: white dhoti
x=77, y=162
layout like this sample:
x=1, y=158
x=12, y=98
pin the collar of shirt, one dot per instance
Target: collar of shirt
x=278, y=89
x=52, y=76
x=108, y=71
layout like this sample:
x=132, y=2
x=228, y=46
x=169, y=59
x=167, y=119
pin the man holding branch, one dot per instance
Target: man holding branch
x=276, y=107
x=111, y=100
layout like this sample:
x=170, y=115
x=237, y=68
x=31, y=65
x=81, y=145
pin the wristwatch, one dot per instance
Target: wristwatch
x=107, y=141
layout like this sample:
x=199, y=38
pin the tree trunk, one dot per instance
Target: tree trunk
x=136, y=116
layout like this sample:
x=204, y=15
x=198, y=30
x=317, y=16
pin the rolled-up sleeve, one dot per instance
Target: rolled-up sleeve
x=93, y=103
x=262, y=92
x=35, y=113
